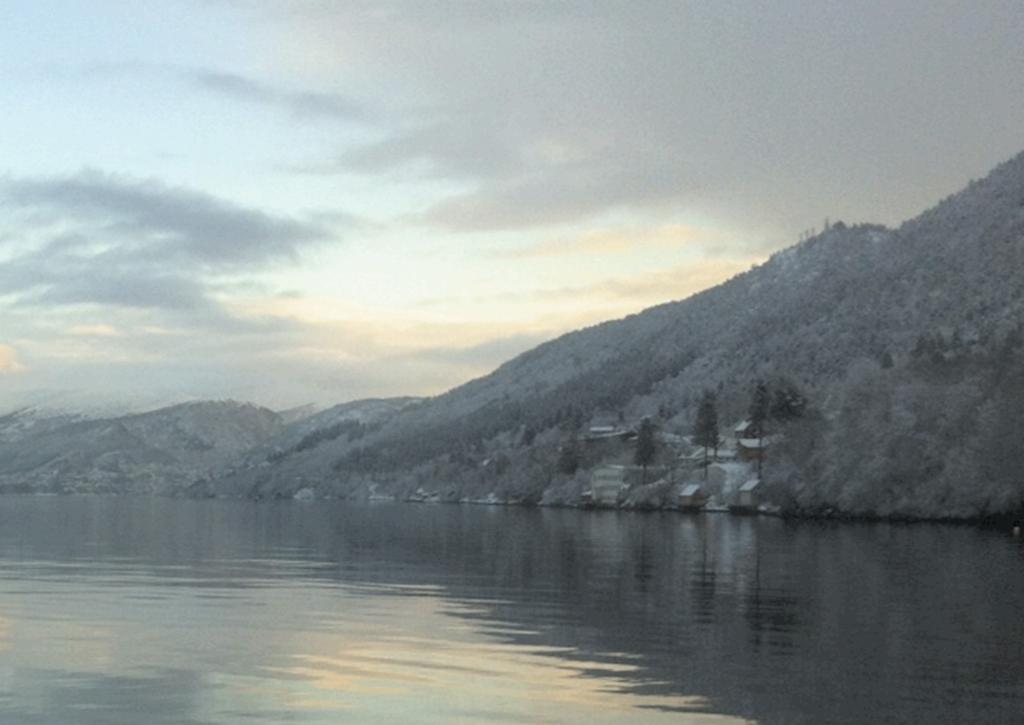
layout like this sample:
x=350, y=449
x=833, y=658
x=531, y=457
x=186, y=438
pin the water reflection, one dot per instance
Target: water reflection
x=229, y=612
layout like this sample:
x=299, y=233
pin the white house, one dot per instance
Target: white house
x=747, y=496
x=607, y=485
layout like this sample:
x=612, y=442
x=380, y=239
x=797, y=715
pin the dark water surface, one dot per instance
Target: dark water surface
x=116, y=610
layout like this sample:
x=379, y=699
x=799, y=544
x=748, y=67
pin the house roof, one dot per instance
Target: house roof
x=752, y=443
x=743, y=425
x=750, y=485
x=690, y=490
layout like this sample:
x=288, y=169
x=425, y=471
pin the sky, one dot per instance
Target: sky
x=295, y=201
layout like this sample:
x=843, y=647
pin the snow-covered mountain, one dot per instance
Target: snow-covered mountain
x=906, y=342
x=851, y=294
x=161, y=451
x=168, y=449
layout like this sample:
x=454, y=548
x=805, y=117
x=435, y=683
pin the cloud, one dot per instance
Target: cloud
x=770, y=117
x=298, y=103
x=148, y=217
x=620, y=241
x=94, y=330
x=9, y=361
x=301, y=104
x=96, y=252
x=618, y=295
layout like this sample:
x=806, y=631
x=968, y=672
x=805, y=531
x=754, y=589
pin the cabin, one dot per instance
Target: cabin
x=745, y=429
x=607, y=432
x=751, y=449
x=725, y=453
x=607, y=486
x=695, y=457
x=747, y=498
x=692, y=497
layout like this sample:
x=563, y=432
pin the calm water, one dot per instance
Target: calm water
x=159, y=611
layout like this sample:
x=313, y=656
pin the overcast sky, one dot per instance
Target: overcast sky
x=300, y=201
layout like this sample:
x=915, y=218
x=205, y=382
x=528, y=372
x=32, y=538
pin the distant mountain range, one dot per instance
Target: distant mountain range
x=932, y=308
x=165, y=451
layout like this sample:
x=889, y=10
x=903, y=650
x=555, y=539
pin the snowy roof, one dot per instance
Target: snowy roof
x=752, y=443
x=750, y=485
x=743, y=425
x=690, y=490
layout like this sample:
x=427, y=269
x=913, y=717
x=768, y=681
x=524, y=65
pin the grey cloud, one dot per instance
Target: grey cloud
x=562, y=195
x=448, y=148
x=309, y=104
x=770, y=117
x=160, y=221
x=129, y=245
x=298, y=103
x=141, y=290
x=59, y=274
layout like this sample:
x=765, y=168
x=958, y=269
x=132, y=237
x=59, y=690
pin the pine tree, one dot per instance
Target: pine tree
x=759, y=408
x=788, y=403
x=569, y=456
x=705, y=428
x=646, y=446
x=760, y=403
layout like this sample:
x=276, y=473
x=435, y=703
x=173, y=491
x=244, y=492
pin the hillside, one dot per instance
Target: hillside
x=853, y=294
x=156, y=452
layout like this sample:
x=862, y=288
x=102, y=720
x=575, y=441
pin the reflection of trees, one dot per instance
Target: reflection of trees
x=763, y=617
x=769, y=612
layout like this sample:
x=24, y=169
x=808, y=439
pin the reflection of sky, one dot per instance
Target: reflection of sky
x=214, y=611
x=110, y=646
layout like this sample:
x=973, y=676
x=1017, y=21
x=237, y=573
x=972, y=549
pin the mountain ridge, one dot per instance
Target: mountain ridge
x=851, y=304
x=852, y=292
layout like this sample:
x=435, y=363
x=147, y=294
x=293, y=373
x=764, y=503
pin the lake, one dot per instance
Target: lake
x=128, y=610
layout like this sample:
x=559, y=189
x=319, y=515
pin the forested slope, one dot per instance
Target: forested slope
x=853, y=302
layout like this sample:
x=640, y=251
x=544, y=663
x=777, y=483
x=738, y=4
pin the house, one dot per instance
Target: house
x=607, y=486
x=751, y=449
x=745, y=429
x=692, y=497
x=607, y=432
x=725, y=453
x=747, y=498
x=695, y=457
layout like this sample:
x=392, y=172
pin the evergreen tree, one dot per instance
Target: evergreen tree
x=705, y=428
x=646, y=446
x=569, y=456
x=760, y=406
x=788, y=403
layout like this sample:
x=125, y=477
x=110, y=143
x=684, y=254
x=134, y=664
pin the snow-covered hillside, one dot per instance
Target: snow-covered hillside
x=852, y=293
